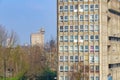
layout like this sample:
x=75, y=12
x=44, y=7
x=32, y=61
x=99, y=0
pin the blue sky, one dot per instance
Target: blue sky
x=28, y=16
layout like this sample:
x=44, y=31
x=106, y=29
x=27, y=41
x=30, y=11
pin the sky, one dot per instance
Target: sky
x=28, y=16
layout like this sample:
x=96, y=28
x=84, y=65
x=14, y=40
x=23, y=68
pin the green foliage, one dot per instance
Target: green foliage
x=47, y=74
x=20, y=76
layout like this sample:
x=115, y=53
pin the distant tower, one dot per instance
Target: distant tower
x=38, y=38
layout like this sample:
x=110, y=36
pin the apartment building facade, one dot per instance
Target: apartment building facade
x=88, y=33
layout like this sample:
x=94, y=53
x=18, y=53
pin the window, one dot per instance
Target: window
x=66, y=18
x=92, y=68
x=66, y=48
x=96, y=17
x=66, y=28
x=61, y=8
x=71, y=18
x=81, y=58
x=75, y=0
x=96, y=37
x=76, y=39
x=61, y=68
x=66, y=68
x=61, y=28
x=76, y=28
x=76, y=7
x=70, y=0
x=96, y=48
x=71, y=8
x=81, y=48
x=86, y=0
x=81, y=17
x=91, y=48
x=61, y=0
x=76, y=17
x=86, y=48
x=71, y=49
x=61, y=58
x=76, y=48
x=61, y=38
x=92, y=7
x=86, y=28
x=61, y=18
x=86, y=7
x=71, y=28
x=65, y=0
x=81, y=38
x=91, y=18
x=90, y=0
x=61, y=49
x=91, y=59
x=61, y=77
x=66, y=78
x=81, y=28
x=97, y=68
x=91, y=38
x=91, y=28
x=86, y=37
x=86, y=17
x=65, y=58
x=76, y=59
x=66, y=8
x=66, y=38
x=92, y=78
x=71, y=38
x=96, y=7
x=96, y=28
x=97, y=77
x=71, y=58
x=71, y=68
x=96, y=59
x=81, y=8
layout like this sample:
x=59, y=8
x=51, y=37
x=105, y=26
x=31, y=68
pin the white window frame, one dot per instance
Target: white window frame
x=66, y=8
x=66, y=58
x=86, y=48
x=66, y=18
x=61, y=39
x=76, y=58
x=91, y=59
x=81, y=48
x=61, y=10
x=92, y=28
x=61, y=48
x=61, y=59
x=66, y=38
x=66, y=68
x=86, y=37
x=66, y=48
x=71, y=60
x=71, y=38
x=61, y=70
x=71, y=49
x=96, y=50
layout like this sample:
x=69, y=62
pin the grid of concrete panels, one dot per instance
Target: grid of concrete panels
x=78, y=36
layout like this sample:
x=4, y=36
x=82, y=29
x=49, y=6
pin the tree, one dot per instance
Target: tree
x=37, y=61
x=51, y=51
x=47, y=74
x=3, y=36
x=7, y=41
x=79, y=72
